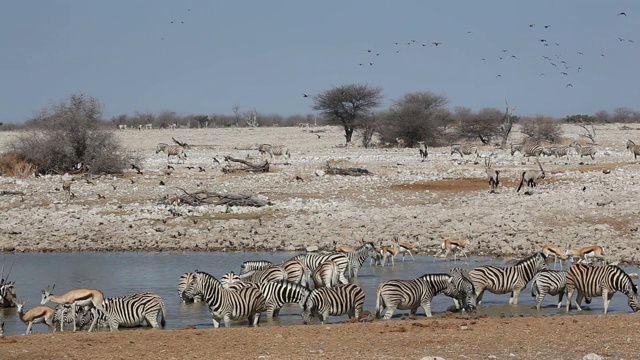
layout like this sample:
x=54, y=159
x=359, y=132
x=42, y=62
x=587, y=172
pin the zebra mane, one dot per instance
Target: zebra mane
x=432, y=276
x=530, y=258
x=623, y=273
x=209, y=277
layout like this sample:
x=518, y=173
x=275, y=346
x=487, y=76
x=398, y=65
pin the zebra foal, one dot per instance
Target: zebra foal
x=501, y=280
x=224, y=304
x=333, y=301
x=603, y=281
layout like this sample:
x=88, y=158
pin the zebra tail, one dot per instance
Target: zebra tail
x=534, y=288
x=163, y=321
x=521, y=181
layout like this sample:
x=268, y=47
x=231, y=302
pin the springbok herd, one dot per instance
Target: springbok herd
x=322, y=284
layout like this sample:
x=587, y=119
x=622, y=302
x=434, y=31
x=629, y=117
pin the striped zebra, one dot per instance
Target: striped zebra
x=312, y=261
x=526, y=150
x=130, y=310
x=584, y=150
x=357, y=258
x=172, y=150
x=276, y=294
x=463, y=292
x=635, y=149
x=415, y=293
x=591, y=281
x=275, y=150
x=184, y=280
x=501, y=280
x=550, y=282
x=333, y=301
x=423, y=150
x=464, y=150
x=254, y=265
x=297, y=272
x=224, y=304
x=270, y=274
x=326, y=275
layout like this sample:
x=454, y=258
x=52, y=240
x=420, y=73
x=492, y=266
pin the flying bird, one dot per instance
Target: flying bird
x=436, y=43
x=304, y=95
x=569, y=85
x=161, y=183
x=621, y=39
x=513, y=56
x=543, y=40
x=579, y=68
x=564, y=73
x=541, y=74
x=497, y=76
x=503, y=50
x=579, y=53
x=361, y=64
x=547, y=26
x=485, y=60
x=531, y=25
x=368, y=50
x=622, y=13
x=370, y=64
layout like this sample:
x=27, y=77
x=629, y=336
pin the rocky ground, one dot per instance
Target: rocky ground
x=582, y=202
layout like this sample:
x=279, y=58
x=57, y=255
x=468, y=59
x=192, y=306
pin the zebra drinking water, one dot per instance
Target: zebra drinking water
x=275, y=150
x=333, y=301
x=226, y=305
x=603, y=280
x=172, y=150
x=415, y=293
x=501, y=280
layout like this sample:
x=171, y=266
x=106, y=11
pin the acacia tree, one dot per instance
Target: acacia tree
x=348, y=105
x=418, y=116
x=484, y=125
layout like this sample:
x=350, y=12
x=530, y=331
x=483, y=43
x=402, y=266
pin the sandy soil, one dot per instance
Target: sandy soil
x=450, y=337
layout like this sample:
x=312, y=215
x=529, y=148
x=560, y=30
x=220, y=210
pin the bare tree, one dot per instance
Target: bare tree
x=507, y=124
x=588, y=133
x=346, y=104
x=541, y=128
x=236, y=112
x=252, y=118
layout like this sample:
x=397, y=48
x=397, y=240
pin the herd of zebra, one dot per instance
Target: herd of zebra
x=179, y=151
x=322, y=285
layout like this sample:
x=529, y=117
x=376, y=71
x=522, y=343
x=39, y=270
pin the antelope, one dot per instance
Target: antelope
x=390, y=251
x=400, y=142
x=405, y=248
x=587, y=254
x=456, y=246
x=531, y=176
x=36, y=315
x=66, y=187
x=344, y=248
x=80, y=297
x=492, y=175
x=555, y=251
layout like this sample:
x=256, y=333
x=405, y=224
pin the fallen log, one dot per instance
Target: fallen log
x=204, y=197
x=250, y=167
x=348, y=171
x=8, y=192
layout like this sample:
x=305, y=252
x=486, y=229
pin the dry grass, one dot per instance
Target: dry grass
x=14, y=165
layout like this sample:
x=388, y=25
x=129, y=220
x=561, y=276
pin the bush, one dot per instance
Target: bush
x=542, y=128
x=70, y=137
x=12, y=164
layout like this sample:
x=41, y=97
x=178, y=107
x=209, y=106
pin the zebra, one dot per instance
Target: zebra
x=635, y=149
x=224, y=304
x=423, y=150
x=297, y=272
x=500, y=280
x=464, y=150
x=412, y=294
x=526, y=150
x=326, y=275
x=357, y=258
x=184, y=280
x=584, y=150
x=275, y=150
x=254, y=265
x=129, y=311
x=561, y=151
x=333, y=301
x=172, y=150
x=312, y=261
x=463, y=292
x=272, y=273
x=603, y=280
x=550, y=282
x=276, y=294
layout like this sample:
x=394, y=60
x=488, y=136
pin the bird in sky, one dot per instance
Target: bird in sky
x=504, y=50
x=547, y=26
x=361, y=64
x=370, y=64
x=368, y=50
x=622, y=13
x=569, y=85
x=541, y=74
x=497, y=76
x=579, y=68
x=564, y=73
x=579, y=53
x=531, y=25
x=620, y=39
x=513, y=56
x=485, y=60
x=543, y=40
x=436, y=43
x=304, y=95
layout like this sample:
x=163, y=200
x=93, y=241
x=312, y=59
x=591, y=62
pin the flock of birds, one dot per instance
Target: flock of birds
x=557, y=63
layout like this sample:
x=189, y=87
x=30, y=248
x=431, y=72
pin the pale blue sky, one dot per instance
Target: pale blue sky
x=265, y=54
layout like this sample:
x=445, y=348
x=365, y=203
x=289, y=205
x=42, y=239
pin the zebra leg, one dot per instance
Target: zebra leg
x=569, y=293
x=390, y=310
x=426, y=305
x=256, y=319
x=479, y=294
x=539, y=300
x=343, y=279
x=216, y=322
x=579, y=300
x=560, y=299
x=270, y=310
x=606, y=298
x=152, y=321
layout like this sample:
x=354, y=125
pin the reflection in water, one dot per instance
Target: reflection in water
x=122, y=273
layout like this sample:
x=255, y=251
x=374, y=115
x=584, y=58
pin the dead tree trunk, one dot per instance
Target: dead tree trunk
x=507, y=124
x=204, y=197
x=254, y=168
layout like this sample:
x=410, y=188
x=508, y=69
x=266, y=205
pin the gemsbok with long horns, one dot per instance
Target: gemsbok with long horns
x=530, y=177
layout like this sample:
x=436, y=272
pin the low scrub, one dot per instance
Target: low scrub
x=14, y=165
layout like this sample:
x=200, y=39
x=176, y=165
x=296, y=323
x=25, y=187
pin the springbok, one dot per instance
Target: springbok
x=389, y=251
x=80, y=297
x=587, y=254
x=555, y=251
x=455, y=246
x=40, y=314
x=405, y=248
